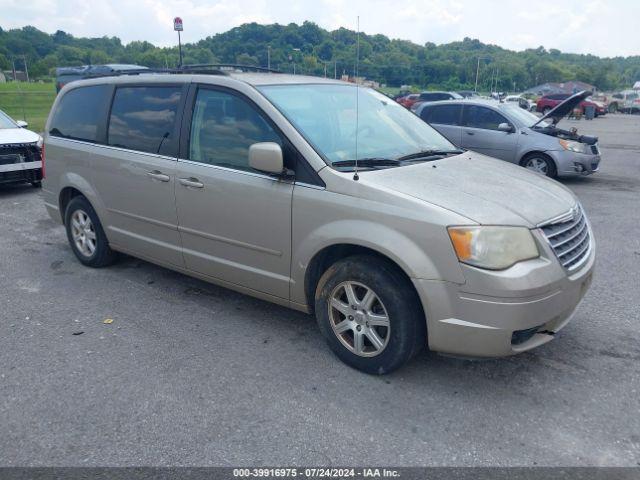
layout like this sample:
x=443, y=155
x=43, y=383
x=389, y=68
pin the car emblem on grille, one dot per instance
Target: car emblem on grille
x=575, y=212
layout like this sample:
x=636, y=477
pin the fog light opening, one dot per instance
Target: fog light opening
x=520, y=336
x=578, y=167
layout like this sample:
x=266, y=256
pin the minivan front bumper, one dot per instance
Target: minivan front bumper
x=500, y=313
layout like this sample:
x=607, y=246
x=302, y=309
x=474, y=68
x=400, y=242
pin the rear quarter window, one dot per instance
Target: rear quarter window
x=442, y=114
x=80, y=112
x=144, y=119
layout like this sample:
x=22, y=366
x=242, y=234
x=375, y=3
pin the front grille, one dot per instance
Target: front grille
x=594, y=149
x=570, y=238
x=17, y=154
x=11, y=159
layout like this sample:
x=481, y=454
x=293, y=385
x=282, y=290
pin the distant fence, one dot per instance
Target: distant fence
x=29, y=105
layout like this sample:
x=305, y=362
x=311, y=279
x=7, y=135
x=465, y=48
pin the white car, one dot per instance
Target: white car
x=523, y=102
x=20, y=152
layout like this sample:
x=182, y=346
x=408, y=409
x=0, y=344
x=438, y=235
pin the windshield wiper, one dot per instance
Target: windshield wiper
x=371, y=162
x=426, y=154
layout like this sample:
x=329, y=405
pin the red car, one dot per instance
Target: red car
x=548, y=102
x=408, y=100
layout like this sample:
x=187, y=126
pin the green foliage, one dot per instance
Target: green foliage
x=313, y=49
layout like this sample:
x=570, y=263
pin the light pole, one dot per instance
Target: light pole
x=292, y=58
x=478, y=70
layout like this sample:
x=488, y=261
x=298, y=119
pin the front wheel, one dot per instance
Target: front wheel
x=370, y=314
x=85, y=234
x=540, y=163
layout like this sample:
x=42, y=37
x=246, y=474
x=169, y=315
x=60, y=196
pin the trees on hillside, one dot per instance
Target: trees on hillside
x=315, y=50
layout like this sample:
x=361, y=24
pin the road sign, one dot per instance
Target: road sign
x=177, y=24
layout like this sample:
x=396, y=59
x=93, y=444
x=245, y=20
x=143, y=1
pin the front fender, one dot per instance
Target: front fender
x=438, y=263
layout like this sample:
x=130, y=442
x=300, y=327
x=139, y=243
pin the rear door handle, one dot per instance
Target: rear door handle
x=158, y=175
x=191, y=182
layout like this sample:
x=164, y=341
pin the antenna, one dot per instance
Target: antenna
x=355, y=169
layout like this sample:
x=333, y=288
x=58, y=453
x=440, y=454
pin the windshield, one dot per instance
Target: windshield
x=6, y=122
x=523, y=116
x=326, y=116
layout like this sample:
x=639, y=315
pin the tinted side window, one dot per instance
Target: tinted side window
x=444, y=114
x=80, y=112
x=144, y=118
x=223, y=127
x=481, y=117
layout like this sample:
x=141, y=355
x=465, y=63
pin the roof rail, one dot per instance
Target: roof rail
x=203, y=69
x=228, y=66
x=119, y=73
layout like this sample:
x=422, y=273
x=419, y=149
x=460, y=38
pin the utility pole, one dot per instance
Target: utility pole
x=335, y=69
x=13, y=65
x=477, y=72
x=269, y=57
x=292, y=58
x=26, y=70
x=325, y=69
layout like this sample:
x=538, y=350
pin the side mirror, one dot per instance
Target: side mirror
x=505, y=127
x=22, y=123
x=266, y=157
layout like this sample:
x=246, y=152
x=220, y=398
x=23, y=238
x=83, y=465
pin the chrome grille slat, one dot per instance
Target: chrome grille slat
x=565, y=227
x=583, y=249
x=562, y=253
x=579, y=229
x=570, y=239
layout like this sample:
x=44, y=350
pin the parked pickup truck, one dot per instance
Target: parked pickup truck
x=627, y=101
x=20, y=152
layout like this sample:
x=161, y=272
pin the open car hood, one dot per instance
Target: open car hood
x=564, y=108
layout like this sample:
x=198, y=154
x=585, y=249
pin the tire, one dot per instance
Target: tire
x=81, y=221
x=613, y=108
x=37, y=184
x=546, y=110
x=381, y=349
x=534, y=162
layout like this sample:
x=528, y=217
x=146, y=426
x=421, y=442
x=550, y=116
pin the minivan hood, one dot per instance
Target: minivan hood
x=17, y=135
x=563, y=109
x=483, y=189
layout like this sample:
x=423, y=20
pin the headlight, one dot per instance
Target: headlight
x=574, y=146
x=40, y=142
x=493, y=248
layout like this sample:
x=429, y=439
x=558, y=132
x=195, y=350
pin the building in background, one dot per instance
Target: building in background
x=550, y=88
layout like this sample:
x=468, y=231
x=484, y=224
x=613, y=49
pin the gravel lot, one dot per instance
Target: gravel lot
x=192, y=374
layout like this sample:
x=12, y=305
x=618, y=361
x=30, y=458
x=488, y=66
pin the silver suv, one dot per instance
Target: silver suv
x=286, y=188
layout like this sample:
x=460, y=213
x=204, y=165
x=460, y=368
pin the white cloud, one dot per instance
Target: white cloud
x=595, y=26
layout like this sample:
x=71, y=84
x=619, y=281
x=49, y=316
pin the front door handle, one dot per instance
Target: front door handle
x=469, y=133
x=158, y=175
x=191, y=182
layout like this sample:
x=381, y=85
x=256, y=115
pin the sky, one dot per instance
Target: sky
x=600, y=27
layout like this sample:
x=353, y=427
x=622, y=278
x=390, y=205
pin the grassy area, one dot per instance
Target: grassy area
x=30, y=102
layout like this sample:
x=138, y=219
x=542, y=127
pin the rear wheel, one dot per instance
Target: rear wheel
x=546, y=110
x=370, y=314
x=540, y=163
x=85, y=234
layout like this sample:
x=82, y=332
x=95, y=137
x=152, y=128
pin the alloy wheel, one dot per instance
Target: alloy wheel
x=83, y=233
x=359, y=319
x=537, y=165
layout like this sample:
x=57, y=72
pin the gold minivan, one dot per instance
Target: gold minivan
x=321, y=196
